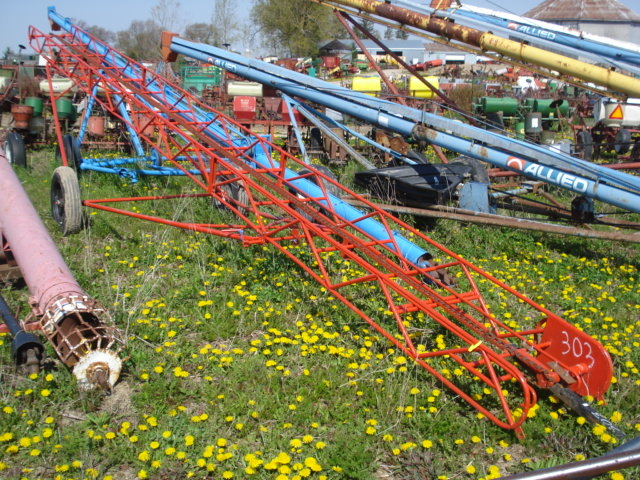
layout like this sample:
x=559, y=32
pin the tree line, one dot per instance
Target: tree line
x=285, y=28
x=276, y=27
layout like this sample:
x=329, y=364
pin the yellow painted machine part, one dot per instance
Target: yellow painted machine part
x=420, y=90
x=565, y=65
x=370, y=85
x=488, y=42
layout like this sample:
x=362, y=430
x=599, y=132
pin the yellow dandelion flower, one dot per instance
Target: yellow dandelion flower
x=24, y=442
x=283, y=458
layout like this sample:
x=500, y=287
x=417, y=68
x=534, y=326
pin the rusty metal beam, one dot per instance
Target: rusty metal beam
x=463, y=215
x=343, y=17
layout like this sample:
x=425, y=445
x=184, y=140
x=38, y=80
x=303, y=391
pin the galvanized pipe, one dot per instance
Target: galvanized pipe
x=77, y=327
x=585, y=469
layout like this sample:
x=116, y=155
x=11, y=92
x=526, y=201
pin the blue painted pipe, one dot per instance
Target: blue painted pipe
x=280, y=78
x=260, y=154
x=529, y=29
x=330, y=98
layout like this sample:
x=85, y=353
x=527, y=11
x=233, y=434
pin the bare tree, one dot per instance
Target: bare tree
x=225, y=21
x=389, y=33
x=166, y=14
x=99, y=32
x=7, y=53
x=368, y=25
x=202, y=33
x=141, y=41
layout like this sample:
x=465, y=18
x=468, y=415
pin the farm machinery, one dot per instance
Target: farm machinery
x=78, y=328
x=410, y=179
x=530, y=117
x=449, y=27
x=280, y=200
x=620, y=55
x=613, y=128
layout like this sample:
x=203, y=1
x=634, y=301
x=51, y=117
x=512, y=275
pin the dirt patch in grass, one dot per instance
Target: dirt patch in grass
x=119, y=404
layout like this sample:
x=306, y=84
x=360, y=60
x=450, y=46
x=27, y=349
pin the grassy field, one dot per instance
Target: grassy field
x=238, y=365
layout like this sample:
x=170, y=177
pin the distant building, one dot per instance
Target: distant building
x=411, y=51
x=338, y=48
x=606, y=18
x=451, y=55
x=416, y=51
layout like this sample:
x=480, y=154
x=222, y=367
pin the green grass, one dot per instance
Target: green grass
x=239, y=366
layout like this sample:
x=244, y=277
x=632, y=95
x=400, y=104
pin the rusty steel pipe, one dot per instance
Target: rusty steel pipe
x=77, y=327
x=470, y=216
x=342, y=18
x=486, y=41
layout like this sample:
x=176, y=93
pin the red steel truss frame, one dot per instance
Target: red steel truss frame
x=503, y=359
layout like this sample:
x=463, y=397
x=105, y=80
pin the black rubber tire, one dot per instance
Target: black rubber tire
x=623, y=141
x=585, y=144
x=66, y=202
x=240, y=195
x=236, y=192
x=635, y=151
x=71, y=148
x=14, y=150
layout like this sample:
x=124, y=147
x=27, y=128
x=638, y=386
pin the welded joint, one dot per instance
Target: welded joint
x=35, y=306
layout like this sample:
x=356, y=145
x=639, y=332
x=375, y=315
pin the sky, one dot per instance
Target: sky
x=116, y=15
